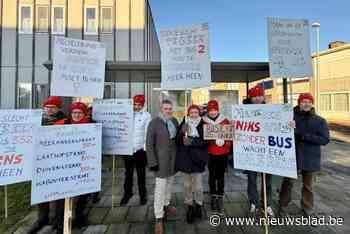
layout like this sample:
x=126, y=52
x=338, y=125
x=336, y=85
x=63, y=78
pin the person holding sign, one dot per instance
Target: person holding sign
x=256, y=95
x=79, y=115
x=139, y=159
x=161, y=154
x=52, y=115
x=311, y=133
x=191, y=159
x=218, y=150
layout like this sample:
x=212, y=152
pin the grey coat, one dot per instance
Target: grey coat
x=160, y=149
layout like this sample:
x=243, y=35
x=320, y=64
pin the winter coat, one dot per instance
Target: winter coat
x=311, y=132
x=194, y=157
x=213, y=148
x=53, y=119
x=141, y=121
x=160, y=149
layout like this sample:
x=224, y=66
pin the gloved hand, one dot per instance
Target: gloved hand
x=154, y=168
x=219, y=142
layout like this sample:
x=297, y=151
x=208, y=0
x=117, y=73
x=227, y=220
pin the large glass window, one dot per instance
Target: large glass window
x=91, y=21
x=25, y=19
x=106, y=20
x=42, y=18
x=341, y=102
x=58, y=22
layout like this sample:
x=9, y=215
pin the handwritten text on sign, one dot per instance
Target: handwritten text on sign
x=78, y=68
x=185, y=57
x=116, y=116
x=67, y=162
x=17, y=144
x=218, y=131
x=289, y=48
x=263, y=142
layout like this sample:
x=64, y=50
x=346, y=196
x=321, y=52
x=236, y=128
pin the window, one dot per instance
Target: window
x=25, y=19
x=341, y=102
x=106, y=20
x=41, y=92
x=42, y=18
x=24, y=98
x=90, y=23
x=325, y=104
x=58, y=22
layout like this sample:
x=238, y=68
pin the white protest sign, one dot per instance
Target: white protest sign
x=17, y=129
x=116, y=116
x=263, y=141
x=78, y=68
x=289, y=48
x=67, y=162
x=185, y=57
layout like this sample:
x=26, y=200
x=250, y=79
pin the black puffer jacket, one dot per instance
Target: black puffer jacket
x=311, y=132
x=192, y=158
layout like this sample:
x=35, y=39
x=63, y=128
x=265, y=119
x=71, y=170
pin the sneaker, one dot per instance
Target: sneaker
x=270, y=212
x=252, y=209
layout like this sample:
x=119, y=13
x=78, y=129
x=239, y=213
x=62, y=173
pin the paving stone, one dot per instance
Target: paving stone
x=116, y=215
x=137, y=214
x=96, y=229
x=97, y=215
x=118, y=228
x=138, y=229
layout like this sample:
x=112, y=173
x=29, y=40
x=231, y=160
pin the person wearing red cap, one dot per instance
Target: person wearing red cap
x=191, y=159
x=256, y=95
x=219, y=151
x=52, y=115
x=311, y=133
x=139, y=159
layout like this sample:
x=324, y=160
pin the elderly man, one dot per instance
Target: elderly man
x=138, y=160
x=52, y=115
x=311, y=133
x=161, y=155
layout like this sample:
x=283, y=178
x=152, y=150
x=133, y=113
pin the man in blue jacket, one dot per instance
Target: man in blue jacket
x=310, y=133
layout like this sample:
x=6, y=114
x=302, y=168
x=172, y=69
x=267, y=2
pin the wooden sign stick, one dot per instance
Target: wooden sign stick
x=113, y=181
x=265, y=204
x=6, y=203
x=68, y=205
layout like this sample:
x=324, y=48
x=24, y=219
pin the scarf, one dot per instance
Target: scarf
x=192, y=126
x=82, y=121
x=170, y=126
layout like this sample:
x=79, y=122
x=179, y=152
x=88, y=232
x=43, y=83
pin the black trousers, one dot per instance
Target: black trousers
x=58, y=206
x=139, y=161
x=217, y=167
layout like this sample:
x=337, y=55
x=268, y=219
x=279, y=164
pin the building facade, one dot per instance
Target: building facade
x=28, y=28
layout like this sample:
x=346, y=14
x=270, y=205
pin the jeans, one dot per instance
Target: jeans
x=253, y=195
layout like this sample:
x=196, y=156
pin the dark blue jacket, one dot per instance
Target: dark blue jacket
x=192, y=158
x=311, y=132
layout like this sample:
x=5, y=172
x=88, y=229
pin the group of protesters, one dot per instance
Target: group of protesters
x=166, y=147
